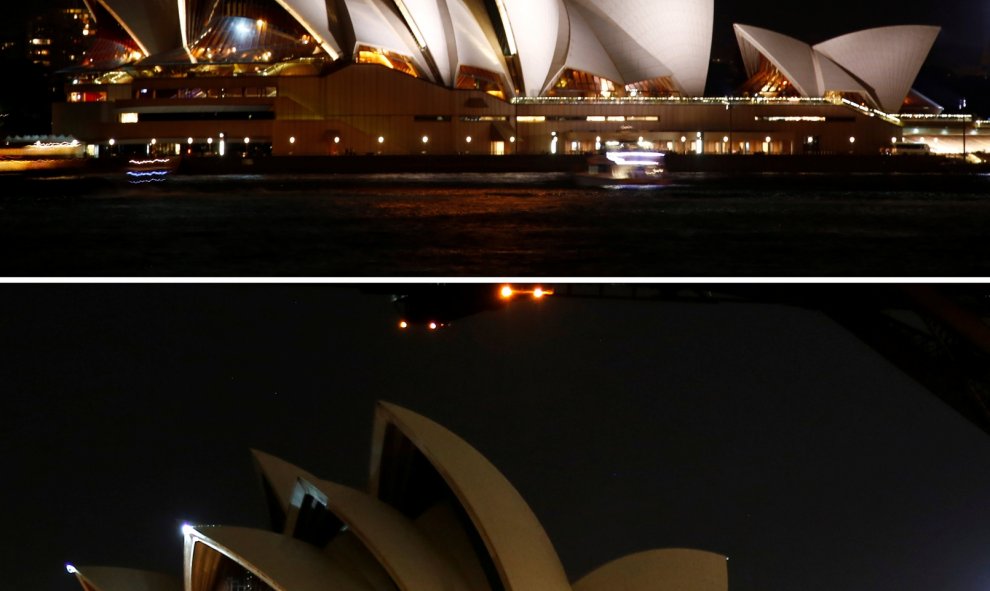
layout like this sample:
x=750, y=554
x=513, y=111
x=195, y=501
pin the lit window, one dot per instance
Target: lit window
x=128, y=117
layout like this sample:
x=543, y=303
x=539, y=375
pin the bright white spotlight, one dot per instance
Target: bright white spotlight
x=71, y=569
x=187, y=530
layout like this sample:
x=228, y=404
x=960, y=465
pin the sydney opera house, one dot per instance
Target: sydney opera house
x=326, y=77
x=437, y=516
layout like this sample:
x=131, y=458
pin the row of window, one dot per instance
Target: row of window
x=207, y=93
x=464, y=119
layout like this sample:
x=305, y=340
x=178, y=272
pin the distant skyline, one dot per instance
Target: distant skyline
x=964, y=37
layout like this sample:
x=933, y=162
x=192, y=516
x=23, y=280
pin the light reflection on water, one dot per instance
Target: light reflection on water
x=504, y=224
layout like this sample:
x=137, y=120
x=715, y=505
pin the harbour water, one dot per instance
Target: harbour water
x=407, y=225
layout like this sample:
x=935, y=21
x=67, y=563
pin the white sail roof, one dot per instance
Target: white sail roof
x=433, y=23
x=377, y=26
x=540, y=30
x=832, y=78
x=587, y=53
x=881, y=64
x=471, y=42
x=675, y=35
x=887, y=58
x=631, y=59
x=793, y=58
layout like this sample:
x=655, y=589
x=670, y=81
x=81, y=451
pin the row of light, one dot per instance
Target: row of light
x=505, y=292
x=432, y=326
x=292, y=140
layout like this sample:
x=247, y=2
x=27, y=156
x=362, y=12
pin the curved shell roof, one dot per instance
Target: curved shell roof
x=880, y=63
x=540, y=29
x=399, y=547
x=281, y=475
x=586, y=52
x=661, y=37
x=102, y=578
x=284, y=563
x=794, y=59
x=627, y=41
x=515, y=540
x=887, y=58
x=433, y=24
x=393, y=539
x=472, y=41
x=375, y=24
x=676, y=568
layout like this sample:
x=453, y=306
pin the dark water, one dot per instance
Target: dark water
x=496, y=225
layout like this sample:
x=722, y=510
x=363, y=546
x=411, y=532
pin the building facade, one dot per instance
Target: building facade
x=308, y=77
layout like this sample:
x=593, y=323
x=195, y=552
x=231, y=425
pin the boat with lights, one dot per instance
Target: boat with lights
x=621, y=168
x=39, y=154
x=150, y=170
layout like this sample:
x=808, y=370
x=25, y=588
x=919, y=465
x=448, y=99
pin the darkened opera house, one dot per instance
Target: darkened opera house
x=318, y=77
x=437, y=516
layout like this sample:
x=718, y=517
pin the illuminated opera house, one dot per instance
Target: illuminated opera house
x=437, y=516
x=319, y=77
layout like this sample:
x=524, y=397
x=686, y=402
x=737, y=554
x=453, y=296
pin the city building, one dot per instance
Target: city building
x=60, y=37
x=437, y=515
x=309, y=77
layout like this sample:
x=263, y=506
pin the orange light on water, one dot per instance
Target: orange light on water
x=506, y=292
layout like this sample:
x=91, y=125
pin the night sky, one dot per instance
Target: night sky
x=966, y=23
x=762, y=432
